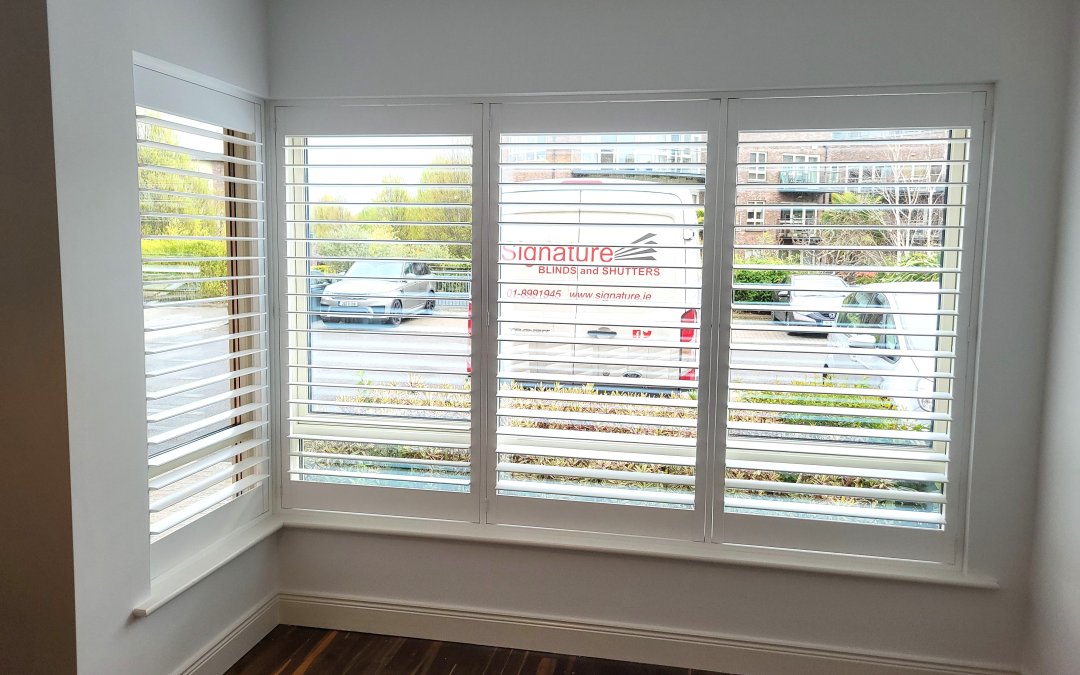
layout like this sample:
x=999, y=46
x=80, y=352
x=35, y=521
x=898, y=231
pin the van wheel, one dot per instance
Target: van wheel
x=429, y=306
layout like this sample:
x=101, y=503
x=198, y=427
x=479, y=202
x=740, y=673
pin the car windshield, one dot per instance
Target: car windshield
x=375, y=268
x=818, y=285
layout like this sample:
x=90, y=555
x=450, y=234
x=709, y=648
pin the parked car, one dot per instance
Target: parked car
x=317, y=283
x=812, y=300
x=911, y=309
x=386, y=290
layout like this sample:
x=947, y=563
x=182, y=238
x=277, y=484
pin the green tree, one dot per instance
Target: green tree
x=871, y=232
x=914, y=261
x=398, y=219
x=155, y=186
x=445, y=193
x=168, y=196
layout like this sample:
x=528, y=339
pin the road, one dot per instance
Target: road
x=391, y=368
x=432, y=349
x=385, y=354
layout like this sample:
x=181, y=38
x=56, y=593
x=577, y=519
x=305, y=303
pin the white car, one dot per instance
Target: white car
x=892, y=359
x=379, y=290
x=812, y=300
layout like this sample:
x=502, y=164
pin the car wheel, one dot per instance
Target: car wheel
x=429, y=306
x=395, y=314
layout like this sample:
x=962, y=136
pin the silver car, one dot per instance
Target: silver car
x=385, y=290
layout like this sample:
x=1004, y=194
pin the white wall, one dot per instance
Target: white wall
x=225, y=40
x=37, y=582
x=91, y=44
x=326, y=48
x=1054, y=639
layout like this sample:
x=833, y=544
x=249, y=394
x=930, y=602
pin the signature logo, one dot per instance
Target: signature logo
x=641, y=249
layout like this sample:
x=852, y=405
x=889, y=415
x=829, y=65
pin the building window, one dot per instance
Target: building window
x=755, y=217
x=798, y=217
x=793, y=173
x=756, y=171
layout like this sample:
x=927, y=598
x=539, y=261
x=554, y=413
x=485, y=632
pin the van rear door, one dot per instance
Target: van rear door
x=613, y=268
x=533, y=288
x=637, y=300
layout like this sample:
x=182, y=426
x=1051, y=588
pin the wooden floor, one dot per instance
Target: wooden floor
x=292, y=650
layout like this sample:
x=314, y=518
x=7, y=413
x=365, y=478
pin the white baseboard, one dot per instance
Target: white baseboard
x=235, y=641
x=611, y=641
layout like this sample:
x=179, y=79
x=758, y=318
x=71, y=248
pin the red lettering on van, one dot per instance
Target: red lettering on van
x=555, y=253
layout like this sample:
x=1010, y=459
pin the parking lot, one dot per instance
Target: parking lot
x=387, y=366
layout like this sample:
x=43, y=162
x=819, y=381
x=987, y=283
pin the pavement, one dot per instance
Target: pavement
x=441, y=339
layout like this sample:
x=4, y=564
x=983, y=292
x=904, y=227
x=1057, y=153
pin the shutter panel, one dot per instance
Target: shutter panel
x=599, y=312
x=846, y=310
x=379, y=258
x=204, y=305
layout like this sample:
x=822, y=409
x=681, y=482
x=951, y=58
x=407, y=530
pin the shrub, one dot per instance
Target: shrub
x=763, y=276
x=187, y=248
x=914, y=260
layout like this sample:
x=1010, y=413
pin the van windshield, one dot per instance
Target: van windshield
x=375, y=268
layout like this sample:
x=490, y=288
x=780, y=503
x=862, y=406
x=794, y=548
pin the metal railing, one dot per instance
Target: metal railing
x=461, y=285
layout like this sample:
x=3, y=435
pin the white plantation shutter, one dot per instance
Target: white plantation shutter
x=847, y=321
x=379, y=273
x=586, y=350
x=204, y=305
x=599, y=300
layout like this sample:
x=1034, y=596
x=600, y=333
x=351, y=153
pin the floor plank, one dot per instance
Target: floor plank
x=295, y=650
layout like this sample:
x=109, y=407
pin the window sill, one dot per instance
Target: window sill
x=723, y=554
x=172, y=583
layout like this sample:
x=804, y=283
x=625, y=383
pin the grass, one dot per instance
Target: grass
x=562, y=401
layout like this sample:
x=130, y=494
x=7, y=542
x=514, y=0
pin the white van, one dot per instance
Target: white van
x=600, y=281
x=911, y=308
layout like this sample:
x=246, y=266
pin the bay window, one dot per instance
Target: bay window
x=593, y=316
